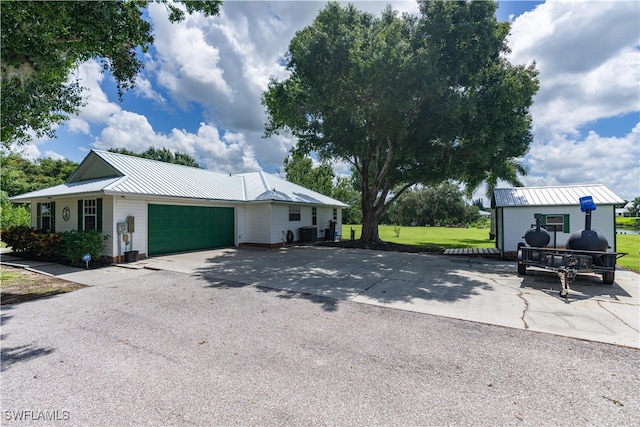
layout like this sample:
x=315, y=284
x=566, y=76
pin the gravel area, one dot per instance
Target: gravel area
x=174, y=349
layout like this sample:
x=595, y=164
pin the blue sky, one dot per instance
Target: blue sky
x=199, y=92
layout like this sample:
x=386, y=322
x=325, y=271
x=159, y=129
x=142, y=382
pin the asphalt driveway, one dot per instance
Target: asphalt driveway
x=256, y=337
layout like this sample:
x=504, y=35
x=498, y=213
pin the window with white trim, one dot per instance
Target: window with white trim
x=90, y=214
x=335, y=215
x=558, y=223
x=314, y=216
x=45, y=216
x=294, y=213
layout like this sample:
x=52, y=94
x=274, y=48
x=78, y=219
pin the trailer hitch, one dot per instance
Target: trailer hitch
x=567, y=274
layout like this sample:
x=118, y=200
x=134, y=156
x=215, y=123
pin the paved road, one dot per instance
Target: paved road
x=170, y=347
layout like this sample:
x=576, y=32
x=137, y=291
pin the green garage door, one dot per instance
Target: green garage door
x=186, y=228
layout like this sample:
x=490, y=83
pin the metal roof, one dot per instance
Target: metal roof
x=553, y=196
x=145, y=177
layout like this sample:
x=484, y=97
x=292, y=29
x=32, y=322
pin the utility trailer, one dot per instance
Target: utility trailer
x=568, y=263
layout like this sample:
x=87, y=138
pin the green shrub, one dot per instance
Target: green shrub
x=32, y=243
x=75, y=244
x=67, y=247
x=18, y=237
x=14, y=215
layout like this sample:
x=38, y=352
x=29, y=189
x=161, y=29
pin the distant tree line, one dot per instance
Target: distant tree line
x=437, y=205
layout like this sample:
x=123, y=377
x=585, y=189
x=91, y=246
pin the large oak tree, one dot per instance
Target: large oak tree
x=43, y=41
x=406, y=99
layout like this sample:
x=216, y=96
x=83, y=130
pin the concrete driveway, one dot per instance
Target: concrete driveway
x=475, y=289
x=211, y=338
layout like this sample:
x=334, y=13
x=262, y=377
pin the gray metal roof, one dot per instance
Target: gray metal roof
x=553, y=196
x=137, y=176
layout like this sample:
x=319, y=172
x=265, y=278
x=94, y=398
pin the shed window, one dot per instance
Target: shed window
x=335, y=215
x=294, y=213
x=556, y=222
x=314, y=216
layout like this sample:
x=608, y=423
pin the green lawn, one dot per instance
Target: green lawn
x=444, y=238
x=432, y=237
x=629, y=243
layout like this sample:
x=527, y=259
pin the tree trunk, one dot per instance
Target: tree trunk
x=370, y=225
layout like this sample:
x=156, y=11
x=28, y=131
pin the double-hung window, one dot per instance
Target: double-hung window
x=45, y=216
x=294, y=213
x=90, y=214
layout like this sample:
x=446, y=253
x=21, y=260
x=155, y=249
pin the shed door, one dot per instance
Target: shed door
x=175, y=228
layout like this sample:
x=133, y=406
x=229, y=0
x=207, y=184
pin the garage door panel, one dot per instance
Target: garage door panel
x=175, y=228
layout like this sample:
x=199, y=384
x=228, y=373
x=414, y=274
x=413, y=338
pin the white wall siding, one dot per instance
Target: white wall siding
x=280, y=223
x=240, y=224
x=257, y=219
x=61, y=224
x=517, y=220
x=107, y=221
x=123, y=208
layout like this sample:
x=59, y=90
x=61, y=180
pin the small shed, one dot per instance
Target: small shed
x=514, y=210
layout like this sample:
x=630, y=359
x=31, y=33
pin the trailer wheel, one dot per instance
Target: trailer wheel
x=522, y=269
x=608, y=277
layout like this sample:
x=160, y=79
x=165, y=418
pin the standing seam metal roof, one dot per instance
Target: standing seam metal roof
x=552, y=196
x=147, y=177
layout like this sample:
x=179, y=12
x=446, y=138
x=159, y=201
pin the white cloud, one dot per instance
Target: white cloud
x=587, y=55
x=145, y=89
x=53, y=155
x=98, y=108
x=589, y=61
x=222, y=153
x=592, y=160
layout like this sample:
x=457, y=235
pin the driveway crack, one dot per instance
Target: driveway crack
x=614, y=315
x=392, y=270
x=526, y=307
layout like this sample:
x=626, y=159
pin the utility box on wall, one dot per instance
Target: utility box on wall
x=131, y=224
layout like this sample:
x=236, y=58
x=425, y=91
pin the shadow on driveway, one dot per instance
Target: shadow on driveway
x=327, y=275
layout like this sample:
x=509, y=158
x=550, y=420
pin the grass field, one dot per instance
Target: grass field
x=431, y=237
x=445, y=238
x=629, y=243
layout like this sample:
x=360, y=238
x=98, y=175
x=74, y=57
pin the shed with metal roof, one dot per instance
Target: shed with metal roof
x=514, y=210
x=154, y=207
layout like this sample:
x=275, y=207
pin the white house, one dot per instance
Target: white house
x=625, y=211
x=154, y=207
x=561, y=215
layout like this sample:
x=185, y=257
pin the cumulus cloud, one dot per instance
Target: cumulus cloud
x=612, y=161
x=589, y=61
x=223, y=153
x=587, y=55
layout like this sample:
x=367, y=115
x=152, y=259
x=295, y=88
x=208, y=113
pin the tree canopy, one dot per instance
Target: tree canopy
x=162, y=155
x=19, y=175
x=43, y=41
x=441, y=204
x=406, y=99
x=299, y=169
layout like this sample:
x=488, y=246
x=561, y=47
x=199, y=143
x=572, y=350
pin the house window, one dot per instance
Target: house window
x=556, y=223
x=335, y=215
x=90, y=214
x=314, y=216
x=294, y=213
x=45, y=216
